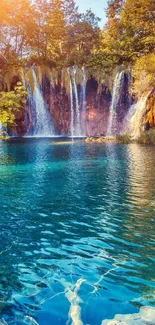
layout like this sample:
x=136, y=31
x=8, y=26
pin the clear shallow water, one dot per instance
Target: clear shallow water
x=77, y=240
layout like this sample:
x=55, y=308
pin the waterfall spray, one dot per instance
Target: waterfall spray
x=77, y=126
x=52, y=85
x=71, y=105
x=118, y=83
x=83, y=101
x=52, y=88
x=41, y=119
x=30, y=113
x=135, y=117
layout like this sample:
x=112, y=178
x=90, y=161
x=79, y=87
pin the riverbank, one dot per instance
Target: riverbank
x=147, y=137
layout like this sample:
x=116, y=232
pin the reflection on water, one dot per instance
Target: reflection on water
x=76, y=229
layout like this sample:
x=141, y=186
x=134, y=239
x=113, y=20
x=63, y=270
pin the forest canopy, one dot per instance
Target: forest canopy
x=53, y=31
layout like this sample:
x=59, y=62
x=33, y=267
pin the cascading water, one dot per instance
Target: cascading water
x=29, y=96
x=77, y=120
x=40, y=83
x=77, y=124
x=41, y=119
x=71, y=105
x=117, y=90
x=83, y=122
x=30, y=113
x=52, y=86
x=134, y=117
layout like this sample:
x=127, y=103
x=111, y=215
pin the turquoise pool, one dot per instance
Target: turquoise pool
x=77, y=238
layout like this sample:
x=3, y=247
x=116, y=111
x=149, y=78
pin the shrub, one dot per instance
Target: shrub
x=123, y=138
x=147, y=137
x=10, y=103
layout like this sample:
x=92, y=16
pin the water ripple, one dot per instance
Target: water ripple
x=77, y=232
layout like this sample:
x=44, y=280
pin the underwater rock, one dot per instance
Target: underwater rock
x=146, y=316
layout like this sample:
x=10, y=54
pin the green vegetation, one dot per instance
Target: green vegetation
x=11, y=102
x=124, y=138
x=147, y=137
x=130, y=30
x=144, y=74
x=47, y=31
x=54, y=32
x=3, y=136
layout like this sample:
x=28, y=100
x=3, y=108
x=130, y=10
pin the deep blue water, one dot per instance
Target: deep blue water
x=77, y=237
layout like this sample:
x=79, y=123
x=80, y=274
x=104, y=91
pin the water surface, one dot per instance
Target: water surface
x=77, y=236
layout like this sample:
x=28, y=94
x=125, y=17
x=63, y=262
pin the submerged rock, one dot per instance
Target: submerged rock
x=146, y=316
x=101, y=139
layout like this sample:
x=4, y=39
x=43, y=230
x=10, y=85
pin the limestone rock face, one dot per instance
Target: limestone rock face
x=96, y=114
x=96, y=109
x=59, y=104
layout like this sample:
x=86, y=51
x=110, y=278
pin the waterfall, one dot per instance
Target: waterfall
x=40, y=83
x=78, y=120
x=77, y=106
x=83, y=101
x=52, y=85
x=52, y=88
x=117, y=90
x=41, y=119
x=135, y=116
x=30, y=113
x=71, y=105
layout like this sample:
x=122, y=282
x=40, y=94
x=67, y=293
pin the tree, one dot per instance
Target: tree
x=138, y=27
x=46, y=30
x=10, y=103
x=55, y=30
x=16, y=28
x=71, y=13
x=82, y=38
x=111, y=35
x=130, y=30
